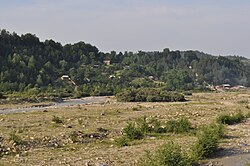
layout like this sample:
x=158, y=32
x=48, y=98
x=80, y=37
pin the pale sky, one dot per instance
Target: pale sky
x=218, y=27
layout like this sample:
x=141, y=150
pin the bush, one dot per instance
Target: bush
x=150, y=125
x=132, y=132
x=155, y=126
x=149, y=95
x=168, y=154
x=178, y=126
x=231, y=119
x=143, y=125
x=207, y=142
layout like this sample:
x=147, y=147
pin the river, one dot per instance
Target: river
x=65, y=103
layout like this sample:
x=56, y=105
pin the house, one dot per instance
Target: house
x=226, y=86
x=107, y=62
x=111, y=77
x=65, y=77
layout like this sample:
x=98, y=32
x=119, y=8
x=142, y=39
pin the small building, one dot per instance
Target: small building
x=126, y=67
x=65, y=77
x=151, y=77
x=226, y=86
x=107, y=62
x=111, y=77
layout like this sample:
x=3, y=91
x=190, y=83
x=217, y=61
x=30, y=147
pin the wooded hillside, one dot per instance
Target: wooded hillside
x=28, y=63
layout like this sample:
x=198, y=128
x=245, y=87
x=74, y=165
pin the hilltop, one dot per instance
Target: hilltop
x=28, y=64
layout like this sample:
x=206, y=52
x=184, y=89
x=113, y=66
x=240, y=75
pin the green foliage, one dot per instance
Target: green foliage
x=150, y=125
x=149, y=95
x=122, y=141
x=155, y=126
x=181, y=125
x=207, y=142
x=15, y=137
x=27, y=63
x=57, y=120
x=74, y=137
x=1, y=96
x=132, y=132
x=168, y=154
x=231, y=119
x=143, y=125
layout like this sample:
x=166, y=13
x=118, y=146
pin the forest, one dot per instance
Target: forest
x=31, y=66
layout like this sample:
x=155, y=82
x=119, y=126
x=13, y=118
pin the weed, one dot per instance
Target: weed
x=136, y=109
x=74, y=137
x=80, y=121
x=15, y=137
x=56, y=119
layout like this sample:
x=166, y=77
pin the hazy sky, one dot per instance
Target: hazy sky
x=219, y=27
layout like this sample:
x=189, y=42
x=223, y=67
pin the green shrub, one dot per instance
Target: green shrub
x=155, y=126
x=132, y=132
x=178, y=126
x=231, y=119
x=150, y=125
x=207, y=142
x=56, y=119
x=168, y=154
x=143, y=125
x=122, y=141
x=74, y=137
x=15, y=137
x=149, y=95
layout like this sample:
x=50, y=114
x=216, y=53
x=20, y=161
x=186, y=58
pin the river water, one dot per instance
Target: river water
x=65, y=103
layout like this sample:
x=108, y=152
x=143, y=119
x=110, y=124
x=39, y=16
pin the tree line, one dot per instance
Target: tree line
x=28, y=64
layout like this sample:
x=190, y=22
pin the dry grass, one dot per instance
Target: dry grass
x=202, y=108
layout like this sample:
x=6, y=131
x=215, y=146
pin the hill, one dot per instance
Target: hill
x=28, y=64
